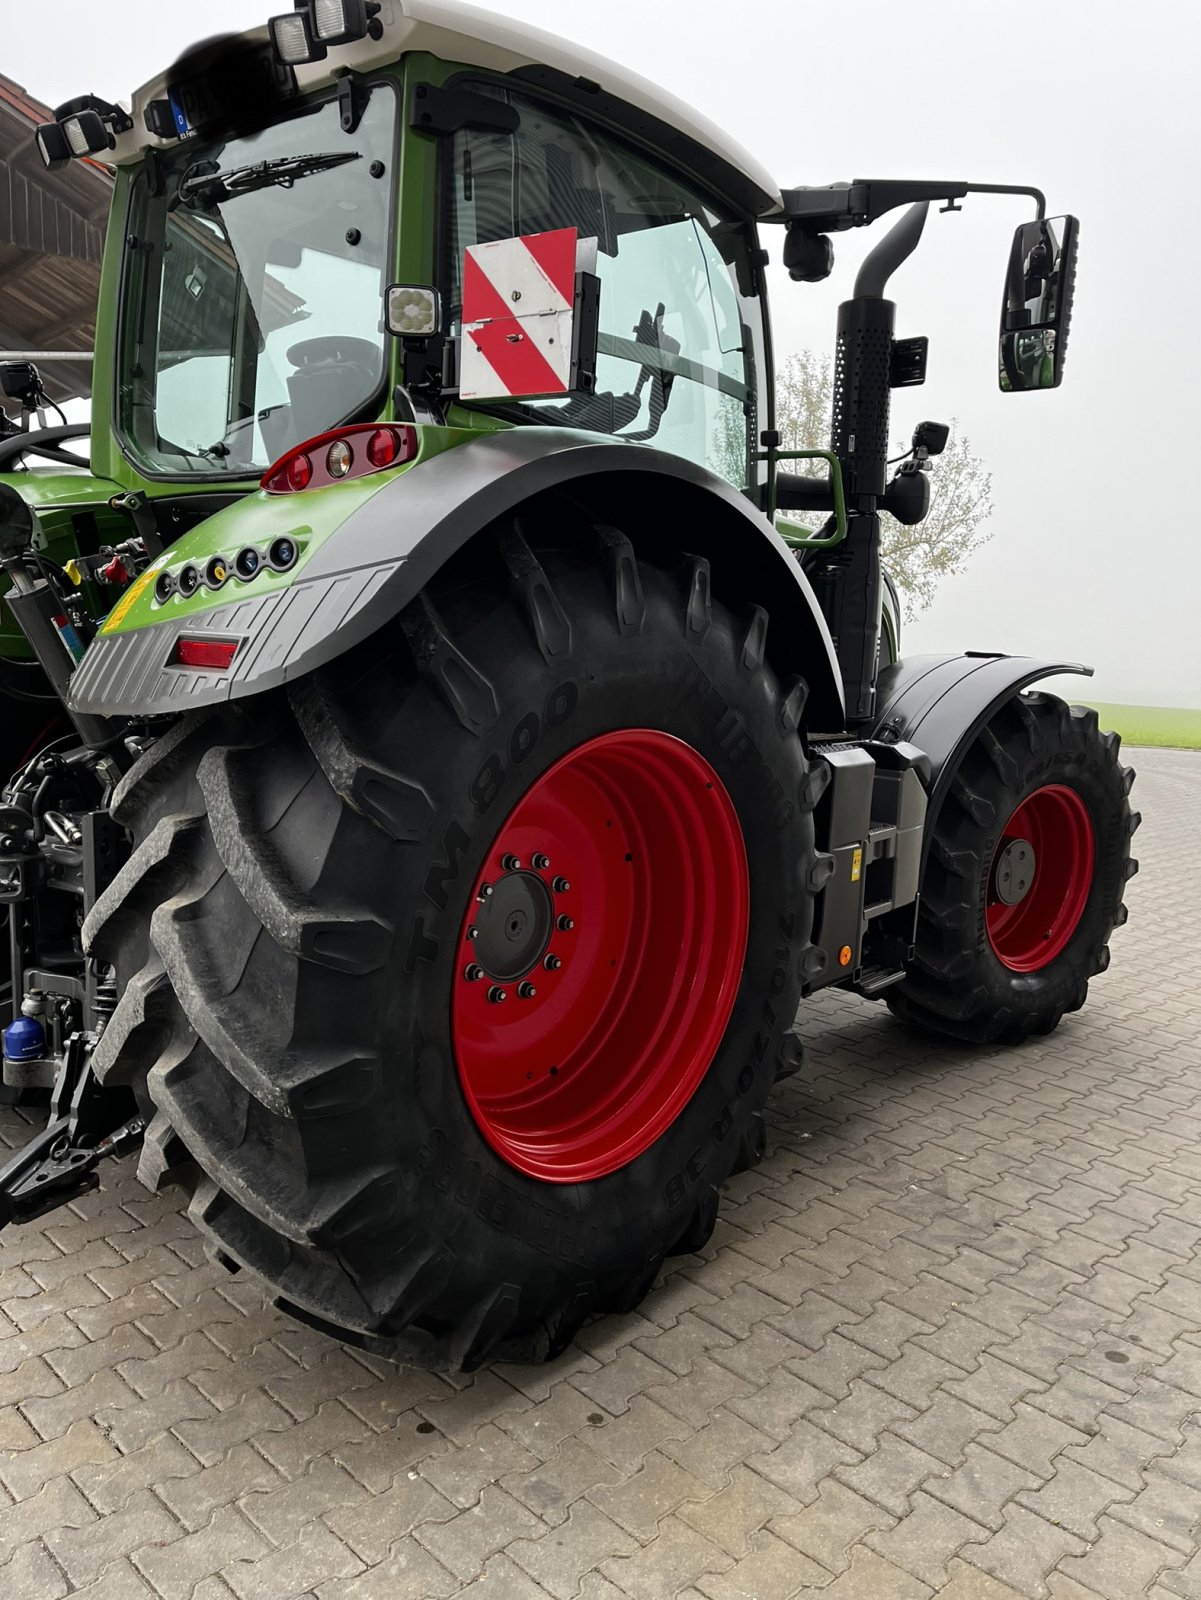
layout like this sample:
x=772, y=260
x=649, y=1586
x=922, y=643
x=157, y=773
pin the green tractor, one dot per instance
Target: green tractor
x=440, y=767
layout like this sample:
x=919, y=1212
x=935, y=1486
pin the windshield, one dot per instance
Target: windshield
x=254, y=291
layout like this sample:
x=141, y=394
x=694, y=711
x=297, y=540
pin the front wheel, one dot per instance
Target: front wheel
x=462, y=973
x=1024, y=879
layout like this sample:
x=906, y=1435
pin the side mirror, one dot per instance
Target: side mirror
x=1037, y=308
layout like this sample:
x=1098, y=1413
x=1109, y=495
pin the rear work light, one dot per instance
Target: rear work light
x=316, y=24
x=351, y=452
x=341, y=21
x=214, y=655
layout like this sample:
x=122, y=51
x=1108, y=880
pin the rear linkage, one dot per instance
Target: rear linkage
x=59, y=1163
x=59, y=850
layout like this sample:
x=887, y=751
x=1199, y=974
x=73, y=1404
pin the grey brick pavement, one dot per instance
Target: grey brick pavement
x=946, y=1339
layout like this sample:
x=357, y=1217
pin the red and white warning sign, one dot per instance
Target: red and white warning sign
x=518, y=308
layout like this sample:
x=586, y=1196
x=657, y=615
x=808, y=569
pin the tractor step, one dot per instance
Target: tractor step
x=872, y=981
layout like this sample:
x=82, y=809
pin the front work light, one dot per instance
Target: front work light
x=413, y=311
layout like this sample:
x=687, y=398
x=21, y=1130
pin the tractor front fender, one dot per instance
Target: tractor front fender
x=392, y=543
x=941, y=704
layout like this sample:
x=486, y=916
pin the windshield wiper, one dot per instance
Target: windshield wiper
x=212, y=188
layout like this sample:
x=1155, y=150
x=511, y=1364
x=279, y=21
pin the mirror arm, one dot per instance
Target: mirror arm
x=854, y=205
x=1036, y=195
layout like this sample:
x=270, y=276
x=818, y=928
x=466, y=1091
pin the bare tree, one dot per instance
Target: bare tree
x=917, y=557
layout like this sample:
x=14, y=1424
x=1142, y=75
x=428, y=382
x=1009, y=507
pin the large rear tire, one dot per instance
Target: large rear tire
x=1024, y=879
x=301, y=933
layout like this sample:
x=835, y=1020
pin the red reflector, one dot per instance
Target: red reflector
x=308, y=465
x=214, y=654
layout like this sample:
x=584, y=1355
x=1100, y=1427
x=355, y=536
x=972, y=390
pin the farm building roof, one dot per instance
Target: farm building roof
x=51, y=237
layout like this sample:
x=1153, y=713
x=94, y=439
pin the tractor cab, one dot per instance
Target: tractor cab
x=286, y=193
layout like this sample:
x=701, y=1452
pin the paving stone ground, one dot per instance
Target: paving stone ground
x=946, y=1340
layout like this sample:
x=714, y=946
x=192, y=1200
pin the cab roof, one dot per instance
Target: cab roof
x=536, y=59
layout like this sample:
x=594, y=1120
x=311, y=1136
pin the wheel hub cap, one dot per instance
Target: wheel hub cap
x=1014, y=872
x=513, y=925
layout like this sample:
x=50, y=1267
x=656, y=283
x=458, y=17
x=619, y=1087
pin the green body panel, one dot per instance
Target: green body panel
x=311, y=517
x=59, y=498
x=53, y=492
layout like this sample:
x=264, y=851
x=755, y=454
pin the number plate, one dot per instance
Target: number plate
x=213, y=98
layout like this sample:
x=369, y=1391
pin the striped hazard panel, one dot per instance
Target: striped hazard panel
x=518, y=306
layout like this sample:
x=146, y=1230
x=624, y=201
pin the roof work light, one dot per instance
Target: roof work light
x=82, y=127
x=51, y=140
x=307, y=32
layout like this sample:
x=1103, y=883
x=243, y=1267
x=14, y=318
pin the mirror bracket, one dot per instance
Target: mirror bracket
x=352, y=99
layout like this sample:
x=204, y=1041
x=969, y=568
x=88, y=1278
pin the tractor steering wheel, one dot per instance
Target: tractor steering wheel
x=45, y=442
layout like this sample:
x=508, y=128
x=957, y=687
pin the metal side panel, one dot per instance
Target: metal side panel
x=390, y=546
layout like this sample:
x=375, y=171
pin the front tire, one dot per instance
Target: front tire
x=293, y=935
x=1024, y=879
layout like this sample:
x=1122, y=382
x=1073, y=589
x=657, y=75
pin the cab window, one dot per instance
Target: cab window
x=680, y=327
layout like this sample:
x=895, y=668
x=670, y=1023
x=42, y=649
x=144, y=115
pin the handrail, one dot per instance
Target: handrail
x=815, y=541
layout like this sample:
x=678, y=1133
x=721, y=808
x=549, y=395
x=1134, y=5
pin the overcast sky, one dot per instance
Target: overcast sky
x=1095, y=555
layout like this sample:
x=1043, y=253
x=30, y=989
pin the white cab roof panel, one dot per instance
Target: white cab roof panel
x=480, y=38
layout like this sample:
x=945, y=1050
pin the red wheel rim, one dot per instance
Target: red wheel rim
x=1039, y=878
x=617, y=892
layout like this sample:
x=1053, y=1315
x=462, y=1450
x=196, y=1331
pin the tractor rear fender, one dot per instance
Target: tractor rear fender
x=391, y=544
x=941, y=703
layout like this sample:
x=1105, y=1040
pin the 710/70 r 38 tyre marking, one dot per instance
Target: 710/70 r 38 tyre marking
x=600, y=955
x=1029, y=926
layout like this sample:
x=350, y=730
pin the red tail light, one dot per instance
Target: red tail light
x=350, y=452
x=215, y=655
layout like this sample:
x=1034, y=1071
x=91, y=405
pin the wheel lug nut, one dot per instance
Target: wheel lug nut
x=564, y=924
x=526, y=991
x=560, y=886
x=540, y=862
x=510, y=863
x=496, y=994
x=552, y=963
x=485, y=891
x=473, y=974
